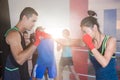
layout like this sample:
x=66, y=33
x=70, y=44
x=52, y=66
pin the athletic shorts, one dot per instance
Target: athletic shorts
x=39, y=71
x=66, y=61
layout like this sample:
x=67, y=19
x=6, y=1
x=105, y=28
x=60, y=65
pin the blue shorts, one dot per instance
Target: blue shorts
x=39, y=71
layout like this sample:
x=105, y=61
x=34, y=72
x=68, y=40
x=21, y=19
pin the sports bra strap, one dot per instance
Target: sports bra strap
x=103, y=46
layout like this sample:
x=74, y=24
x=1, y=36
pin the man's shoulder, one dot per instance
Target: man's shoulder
x=14, y=29
x=12, y=35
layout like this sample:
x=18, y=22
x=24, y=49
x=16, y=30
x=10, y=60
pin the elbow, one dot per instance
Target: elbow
x=104, y=64
x=19, y=62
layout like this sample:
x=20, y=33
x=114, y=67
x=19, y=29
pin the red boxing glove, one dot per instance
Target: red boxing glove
x=39, y=34
x=88, y=41
x=37, y=38
x=45, y=35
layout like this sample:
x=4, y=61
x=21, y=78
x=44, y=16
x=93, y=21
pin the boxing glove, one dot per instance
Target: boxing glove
x=45, y=35
x=37, y=38
x=88, y=41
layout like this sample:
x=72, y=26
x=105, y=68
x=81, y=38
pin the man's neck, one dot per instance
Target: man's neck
x=20, y=27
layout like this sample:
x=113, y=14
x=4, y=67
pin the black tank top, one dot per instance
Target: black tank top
x=23, y=69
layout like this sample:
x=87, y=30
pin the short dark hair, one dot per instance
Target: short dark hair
x=28, y=12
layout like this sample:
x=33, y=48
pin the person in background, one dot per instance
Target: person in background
x=45, y=63
x=16, y=67
x=27, y=38
x=27, y=42
x=101, y=48
x=35, y=55
x=66, y=57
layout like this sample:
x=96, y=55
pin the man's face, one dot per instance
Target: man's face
x=30, y=22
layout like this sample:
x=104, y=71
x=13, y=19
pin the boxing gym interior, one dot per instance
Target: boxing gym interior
x=56, y=15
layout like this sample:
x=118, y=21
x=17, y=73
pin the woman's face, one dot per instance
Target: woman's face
x=88, y=30
x=66, y=33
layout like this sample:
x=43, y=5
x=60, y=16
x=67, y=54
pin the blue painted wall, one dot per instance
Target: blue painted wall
x=110, y=21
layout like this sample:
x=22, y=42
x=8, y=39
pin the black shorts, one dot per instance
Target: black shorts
x=66, y=61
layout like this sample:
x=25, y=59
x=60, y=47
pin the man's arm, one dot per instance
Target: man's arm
x=14, y=40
